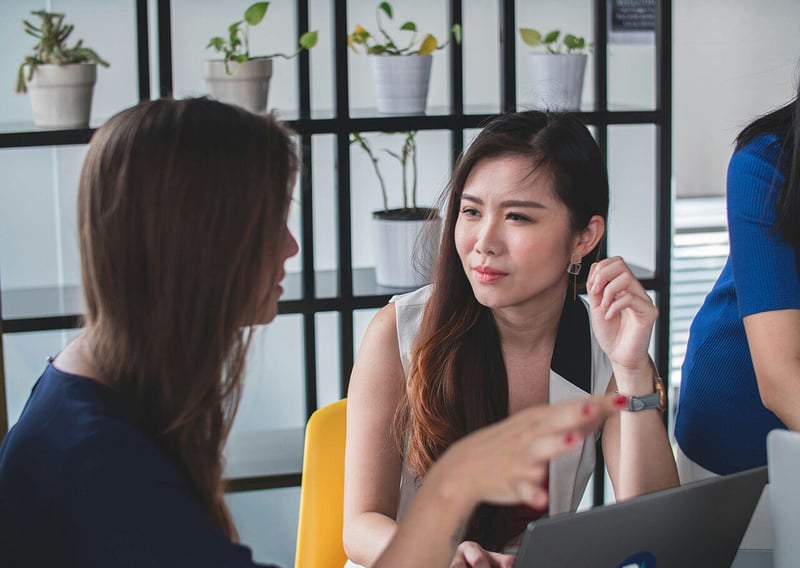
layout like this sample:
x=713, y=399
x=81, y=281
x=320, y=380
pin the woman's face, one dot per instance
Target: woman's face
x=513, y=234
x=271, y=296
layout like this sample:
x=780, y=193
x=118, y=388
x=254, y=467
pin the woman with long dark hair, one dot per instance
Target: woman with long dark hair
x=501, y=329
x=116, y=459
x=741, y=374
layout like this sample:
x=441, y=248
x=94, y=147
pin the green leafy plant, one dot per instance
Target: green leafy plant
x=52, y=47
x=406, y=157
x=553, y=42
x=386, y=45
x=237, y=46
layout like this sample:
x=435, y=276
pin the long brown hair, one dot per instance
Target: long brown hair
x=458, y=380
x=181, y=209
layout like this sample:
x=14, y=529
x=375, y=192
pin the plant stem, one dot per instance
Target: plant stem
x=364, y=146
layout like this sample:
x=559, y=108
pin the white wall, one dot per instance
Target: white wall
x=733, y=60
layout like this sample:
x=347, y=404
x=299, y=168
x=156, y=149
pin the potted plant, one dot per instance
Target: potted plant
x=405, y=238
x=401, y=74
x=239, y=77
x=59, y=79
x=557, y=73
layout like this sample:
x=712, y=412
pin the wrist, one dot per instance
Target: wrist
x=655, y=398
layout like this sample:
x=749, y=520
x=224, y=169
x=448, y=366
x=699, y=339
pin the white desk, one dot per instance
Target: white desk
x=752, y=558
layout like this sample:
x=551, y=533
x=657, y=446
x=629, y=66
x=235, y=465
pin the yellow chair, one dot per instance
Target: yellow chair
x=319, y=530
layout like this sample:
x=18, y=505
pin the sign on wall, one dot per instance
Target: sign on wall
x=632, y=21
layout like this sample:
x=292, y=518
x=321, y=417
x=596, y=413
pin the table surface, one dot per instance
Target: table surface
x=752, y=558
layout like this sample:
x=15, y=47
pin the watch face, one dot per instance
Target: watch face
x=662, y=394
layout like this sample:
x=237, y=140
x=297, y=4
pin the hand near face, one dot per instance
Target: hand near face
x=622, y=314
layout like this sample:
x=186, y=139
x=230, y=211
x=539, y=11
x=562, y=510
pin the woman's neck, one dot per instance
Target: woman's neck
x=529, y=328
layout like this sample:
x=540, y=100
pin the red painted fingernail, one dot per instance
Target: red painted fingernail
x=620, y=400
x=569, y=438
x=587, y=408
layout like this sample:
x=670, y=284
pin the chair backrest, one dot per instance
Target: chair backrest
x=319, y=530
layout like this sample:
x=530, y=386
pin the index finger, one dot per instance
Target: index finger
x=580, y=414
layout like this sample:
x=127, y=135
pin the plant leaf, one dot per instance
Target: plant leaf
x=376, y=50
x=255, y=13
x=456, y=31
x=530, y=36
x=428, y=45
x=551, y=36
x=386, y=8
x=217, y=43
x=409, y=26
x=308, y=39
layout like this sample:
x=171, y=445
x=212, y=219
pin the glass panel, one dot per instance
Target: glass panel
x=632, y=73
x=267, y=523
x=430, y=17
x=195, y=22
x=433, y=151
x=38, y=247
x=568, y=16
x=323, y=100
x=326, y=248
x=632, y=177
x=328, y=358
x=274, y=390
x=481, y=56
x=117, y=85
x=25, y=357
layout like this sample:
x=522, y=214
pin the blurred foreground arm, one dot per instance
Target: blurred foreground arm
x=505, y=463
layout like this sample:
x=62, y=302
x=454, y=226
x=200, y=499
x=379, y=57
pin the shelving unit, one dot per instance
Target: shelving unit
x=346, y=290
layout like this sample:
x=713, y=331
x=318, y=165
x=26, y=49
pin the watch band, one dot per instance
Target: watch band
x=657, y=399
x=637, y=403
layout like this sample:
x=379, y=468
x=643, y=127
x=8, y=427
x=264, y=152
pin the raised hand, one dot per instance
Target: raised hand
x=622, y=316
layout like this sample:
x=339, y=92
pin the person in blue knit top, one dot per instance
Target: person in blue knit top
x=741, y=374
x=116, y=459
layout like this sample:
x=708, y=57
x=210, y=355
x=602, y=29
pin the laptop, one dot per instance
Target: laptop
x=783, y=461
x=697, y=524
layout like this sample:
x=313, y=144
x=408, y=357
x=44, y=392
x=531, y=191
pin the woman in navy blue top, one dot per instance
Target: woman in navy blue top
x=741, y=375
x=116, y=459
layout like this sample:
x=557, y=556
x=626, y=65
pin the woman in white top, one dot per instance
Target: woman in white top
x=501, y=329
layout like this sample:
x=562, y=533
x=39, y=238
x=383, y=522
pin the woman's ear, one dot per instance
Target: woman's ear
x=589, y=236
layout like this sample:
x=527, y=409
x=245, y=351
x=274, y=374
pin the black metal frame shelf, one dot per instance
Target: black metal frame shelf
x=347, y=290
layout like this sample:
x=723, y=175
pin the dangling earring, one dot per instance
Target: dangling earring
x=574, y=268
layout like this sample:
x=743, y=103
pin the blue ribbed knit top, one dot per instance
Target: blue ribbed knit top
x=721, y=423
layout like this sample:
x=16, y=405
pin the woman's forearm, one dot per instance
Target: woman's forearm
x=366, y=536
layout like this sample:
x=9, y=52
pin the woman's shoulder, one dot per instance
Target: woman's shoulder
x=418, y=297
x=766, y=147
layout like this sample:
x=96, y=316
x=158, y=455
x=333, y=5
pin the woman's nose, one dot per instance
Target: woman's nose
x=488, y=239
x=291, y=247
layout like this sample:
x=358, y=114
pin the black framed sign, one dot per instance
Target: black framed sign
x=631, y=21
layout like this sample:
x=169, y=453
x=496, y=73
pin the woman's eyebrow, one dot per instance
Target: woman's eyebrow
x=507, y=203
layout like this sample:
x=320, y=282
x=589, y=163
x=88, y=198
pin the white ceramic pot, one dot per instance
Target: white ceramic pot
x=401, y=83
x=61, y=95
x=247, y=86
x=404, y=250
x=557, y=80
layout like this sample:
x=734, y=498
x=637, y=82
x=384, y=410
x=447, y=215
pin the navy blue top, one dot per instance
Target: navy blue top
x=721, y=423
x=81, y=486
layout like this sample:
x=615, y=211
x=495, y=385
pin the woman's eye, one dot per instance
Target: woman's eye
x=517, y=217
x=469, y=211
